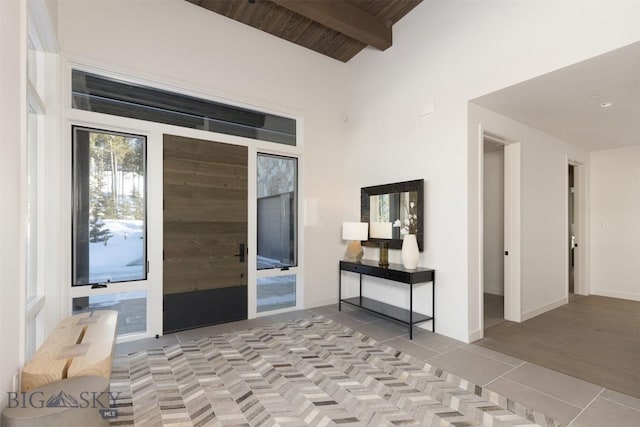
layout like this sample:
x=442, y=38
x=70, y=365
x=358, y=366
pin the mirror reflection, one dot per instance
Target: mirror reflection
x=393, y=215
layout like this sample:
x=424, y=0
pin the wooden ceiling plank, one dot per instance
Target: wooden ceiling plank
x=345, y=18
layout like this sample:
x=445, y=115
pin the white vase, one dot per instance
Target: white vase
x=410, y=253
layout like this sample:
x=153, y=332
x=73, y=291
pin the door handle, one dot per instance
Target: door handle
x=241, y=252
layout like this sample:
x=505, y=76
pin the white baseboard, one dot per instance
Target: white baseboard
x=476, y=335
x=321, y=302
x=530, y=314
x=616, y=294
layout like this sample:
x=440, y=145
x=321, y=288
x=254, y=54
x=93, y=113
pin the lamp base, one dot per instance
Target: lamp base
x=354, y=252
x=384, y=254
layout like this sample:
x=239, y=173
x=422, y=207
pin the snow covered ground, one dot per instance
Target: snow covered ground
x=122, y=258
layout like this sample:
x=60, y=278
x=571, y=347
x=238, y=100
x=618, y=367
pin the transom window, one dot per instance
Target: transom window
x=92, y=92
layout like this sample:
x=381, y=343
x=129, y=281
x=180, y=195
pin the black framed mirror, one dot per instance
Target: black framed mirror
x=393, y=210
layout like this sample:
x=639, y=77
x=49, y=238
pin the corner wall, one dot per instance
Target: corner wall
x=449, y=52
x=615, y=223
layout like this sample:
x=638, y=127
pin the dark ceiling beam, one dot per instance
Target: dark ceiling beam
x=344, y=18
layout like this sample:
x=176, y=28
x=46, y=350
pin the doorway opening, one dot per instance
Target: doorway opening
x=576, y=277
x=493, y=225
x=572, y=232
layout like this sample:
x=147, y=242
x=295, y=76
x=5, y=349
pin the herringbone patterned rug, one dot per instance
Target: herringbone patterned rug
x=308, y=372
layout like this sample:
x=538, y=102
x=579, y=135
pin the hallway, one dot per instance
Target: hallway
x=593, y=338
x=493, y=310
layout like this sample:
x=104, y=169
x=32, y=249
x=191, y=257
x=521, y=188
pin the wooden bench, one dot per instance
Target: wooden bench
x=81, y=345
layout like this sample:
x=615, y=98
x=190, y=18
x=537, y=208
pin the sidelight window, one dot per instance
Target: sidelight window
x=109, y=207
x=277, y=232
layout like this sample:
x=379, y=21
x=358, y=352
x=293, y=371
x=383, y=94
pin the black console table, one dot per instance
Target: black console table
x=397, y=273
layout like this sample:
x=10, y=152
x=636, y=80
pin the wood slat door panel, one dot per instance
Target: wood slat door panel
x=205, y=224
x=205, y=175
x=177, y=147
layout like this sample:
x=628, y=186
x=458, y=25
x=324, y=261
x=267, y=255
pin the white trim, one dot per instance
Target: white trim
x=34, y=306
x=275, y=272
x=322, y=302
x=112, y=288
x=581, y=278
x=476, y=335
x=34, y=101
x=512, y=233
x=544, y=308
x=615, y=294
x=300, y=226
x=252, y=233
x=480, y=183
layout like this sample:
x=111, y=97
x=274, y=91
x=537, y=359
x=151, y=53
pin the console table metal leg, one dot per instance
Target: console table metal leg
x=433, y=304
x=360, y=289
x=410, y=311
x=339, y=289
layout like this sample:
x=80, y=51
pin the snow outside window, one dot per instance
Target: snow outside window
x=109, y=207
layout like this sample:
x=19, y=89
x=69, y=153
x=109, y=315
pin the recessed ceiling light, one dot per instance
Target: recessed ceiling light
x=606, y=104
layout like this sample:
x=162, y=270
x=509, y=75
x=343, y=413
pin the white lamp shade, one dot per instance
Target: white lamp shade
x=381, y=230
x=355, y=231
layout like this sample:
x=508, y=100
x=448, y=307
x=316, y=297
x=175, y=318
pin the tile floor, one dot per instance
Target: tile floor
x=573, y=402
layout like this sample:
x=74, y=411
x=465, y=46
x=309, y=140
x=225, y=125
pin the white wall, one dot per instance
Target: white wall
x=448, y=52
x=13, y=44
x=493, y=221
x=52, y=9
x=178, y=43
x=615, y=223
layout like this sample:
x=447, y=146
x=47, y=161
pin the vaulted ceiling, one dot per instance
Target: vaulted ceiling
x=336, y=28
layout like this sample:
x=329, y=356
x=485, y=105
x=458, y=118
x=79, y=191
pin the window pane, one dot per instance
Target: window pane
x=131, y=308
x=109, y=214
x=277, y=202
x=92, y=92
x=276, y=292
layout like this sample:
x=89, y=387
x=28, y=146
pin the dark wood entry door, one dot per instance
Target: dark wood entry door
x=205, y=233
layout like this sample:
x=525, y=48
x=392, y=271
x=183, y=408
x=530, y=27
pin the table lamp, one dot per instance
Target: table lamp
x=355, y=232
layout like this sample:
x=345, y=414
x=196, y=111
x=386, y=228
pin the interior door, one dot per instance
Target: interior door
x=205, y=233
